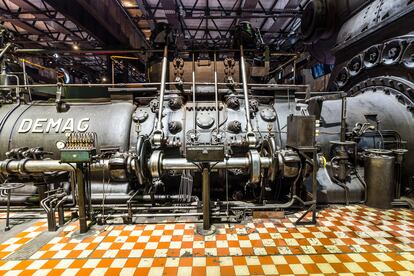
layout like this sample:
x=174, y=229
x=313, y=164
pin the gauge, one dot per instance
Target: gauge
x=60, y=145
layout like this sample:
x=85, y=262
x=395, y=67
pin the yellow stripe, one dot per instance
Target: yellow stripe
x=124, y=57
x=37, y=65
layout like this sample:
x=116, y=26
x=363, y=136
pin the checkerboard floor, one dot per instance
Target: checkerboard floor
x=347, y=240
x=27, y=235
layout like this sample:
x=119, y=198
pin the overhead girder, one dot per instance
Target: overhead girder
x=280, y=23
x=105, y=20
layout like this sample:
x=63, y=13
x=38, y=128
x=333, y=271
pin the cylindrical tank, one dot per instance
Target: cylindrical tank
x=39, y=125
x=379, y=176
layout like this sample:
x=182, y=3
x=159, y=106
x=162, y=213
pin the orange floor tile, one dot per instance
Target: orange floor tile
x=347, y=240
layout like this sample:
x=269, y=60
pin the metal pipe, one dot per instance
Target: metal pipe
x=138, y=84
x=206, y=198
x=270, y=206
x=8, y=211
x=220, y=214
x=152, y=198
x=35, y=166
x=293, y=59
x=61, y=211
x=113, y=72
x=130, y=51
x=343, y=119
x=194, y=98
x=24, y=73
x=216, y=94
x=48, y=165
x=4, y=50
x=21, y=209
x=17, y=87
x=231, y=163
x=162, y=88
x=314, y=182
x=245, y=91
x=158, y=208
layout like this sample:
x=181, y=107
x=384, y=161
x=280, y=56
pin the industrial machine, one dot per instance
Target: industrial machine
x=371, y=45
x=206, y=137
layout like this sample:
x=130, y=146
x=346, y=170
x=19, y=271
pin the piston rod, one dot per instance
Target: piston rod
x=159, y=134
x=245, y=90
x=232, y=163
x=216, y=94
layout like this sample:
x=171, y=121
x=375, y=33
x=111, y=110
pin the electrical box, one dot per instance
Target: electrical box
x=301, y=131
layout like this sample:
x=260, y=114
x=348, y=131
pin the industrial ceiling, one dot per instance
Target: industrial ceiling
x=127, y=24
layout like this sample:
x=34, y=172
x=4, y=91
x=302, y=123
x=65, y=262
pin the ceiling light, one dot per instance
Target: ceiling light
x=75, y=47
x=128, y=3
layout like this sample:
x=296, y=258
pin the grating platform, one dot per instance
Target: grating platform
x=351, y=239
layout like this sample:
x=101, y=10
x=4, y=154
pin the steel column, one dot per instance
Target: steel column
x=206, y=199
x=81, y=199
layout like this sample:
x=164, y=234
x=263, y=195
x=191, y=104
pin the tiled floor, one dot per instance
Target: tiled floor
x=348, y=240
x=13, y=244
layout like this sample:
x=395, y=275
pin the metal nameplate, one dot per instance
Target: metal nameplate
x=58, y=125
x=205, y=153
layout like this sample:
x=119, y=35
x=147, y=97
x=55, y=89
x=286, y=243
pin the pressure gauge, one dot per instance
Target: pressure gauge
x=60, y=145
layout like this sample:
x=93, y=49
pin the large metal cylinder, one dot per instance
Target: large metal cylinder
x=40, y=125
x=379, y=176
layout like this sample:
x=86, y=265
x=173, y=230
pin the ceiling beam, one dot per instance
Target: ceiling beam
x=248, y=5
x=280, y=23
x=39, y=15
x=75, y=13
x=106, y=20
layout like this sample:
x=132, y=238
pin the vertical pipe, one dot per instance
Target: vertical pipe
x=194, y=98
x=314, y=183
x=81, y=199
x=245, y=91
x=61, y=213
x=343, y=119
x=398, y=181
x=51, y=219
x=216, y=93
x=206, y=199
x=294, y=71
x=24, y=73
x=25, y=79
x=8, y=211
x=113, y=73
x=162, y=88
